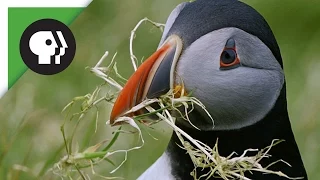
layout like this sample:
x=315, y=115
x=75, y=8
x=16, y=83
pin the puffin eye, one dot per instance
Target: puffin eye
x=229, y=58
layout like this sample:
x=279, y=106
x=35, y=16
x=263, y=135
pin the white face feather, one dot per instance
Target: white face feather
x=237, y=97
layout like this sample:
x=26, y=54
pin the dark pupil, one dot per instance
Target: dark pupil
x=228, y=56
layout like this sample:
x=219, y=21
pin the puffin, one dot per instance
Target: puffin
x=226, y=54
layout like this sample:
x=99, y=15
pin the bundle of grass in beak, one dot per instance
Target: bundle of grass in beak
x=176, y=100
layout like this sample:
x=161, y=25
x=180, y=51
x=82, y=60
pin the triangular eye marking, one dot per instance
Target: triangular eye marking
x=231, y=44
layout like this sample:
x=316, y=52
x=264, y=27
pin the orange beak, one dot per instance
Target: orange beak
x=152, y=79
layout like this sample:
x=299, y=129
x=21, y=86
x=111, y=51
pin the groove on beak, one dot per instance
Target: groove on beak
x=152, y=79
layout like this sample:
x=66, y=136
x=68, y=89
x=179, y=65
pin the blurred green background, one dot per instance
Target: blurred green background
x=30, y=112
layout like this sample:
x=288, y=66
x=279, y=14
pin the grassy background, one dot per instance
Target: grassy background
x=30, y=111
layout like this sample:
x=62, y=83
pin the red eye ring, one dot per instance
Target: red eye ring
x=229, y=58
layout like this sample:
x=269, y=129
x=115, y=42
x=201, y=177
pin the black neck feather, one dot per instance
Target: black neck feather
x=275, y=125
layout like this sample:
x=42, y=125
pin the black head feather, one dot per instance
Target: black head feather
x=204, y=16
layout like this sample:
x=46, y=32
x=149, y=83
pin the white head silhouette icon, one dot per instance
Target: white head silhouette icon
x=44, y=45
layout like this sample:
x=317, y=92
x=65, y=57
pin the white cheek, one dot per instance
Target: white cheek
x=196, y=64
x=238, y=97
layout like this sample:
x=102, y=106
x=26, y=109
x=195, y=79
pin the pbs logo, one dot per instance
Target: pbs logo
x=47, y=50
x=47, y=46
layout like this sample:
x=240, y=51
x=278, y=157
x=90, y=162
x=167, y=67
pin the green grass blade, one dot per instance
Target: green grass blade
x=113, y=140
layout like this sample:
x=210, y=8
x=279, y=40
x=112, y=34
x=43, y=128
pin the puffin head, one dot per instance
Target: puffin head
x=224, y=52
